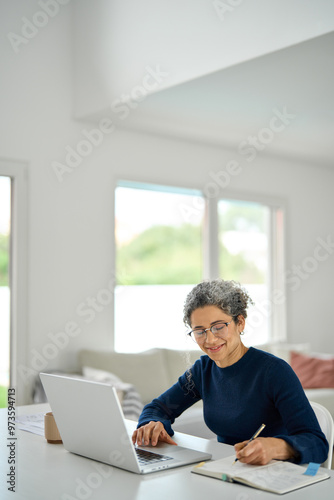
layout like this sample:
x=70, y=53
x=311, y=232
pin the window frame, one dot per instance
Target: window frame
x=18, y=272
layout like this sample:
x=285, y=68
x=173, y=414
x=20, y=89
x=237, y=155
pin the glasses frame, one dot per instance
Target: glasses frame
x=226, y=323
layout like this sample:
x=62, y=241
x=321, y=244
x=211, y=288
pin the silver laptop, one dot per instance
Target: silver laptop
x=91, y=423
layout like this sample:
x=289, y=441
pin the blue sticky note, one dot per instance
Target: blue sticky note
x=312, y=469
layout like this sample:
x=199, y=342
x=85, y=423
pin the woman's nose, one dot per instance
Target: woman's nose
x=210, y=337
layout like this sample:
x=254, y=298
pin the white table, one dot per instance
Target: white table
x=48, y=472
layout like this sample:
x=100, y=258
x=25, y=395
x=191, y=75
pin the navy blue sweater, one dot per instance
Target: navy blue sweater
x=259, y=388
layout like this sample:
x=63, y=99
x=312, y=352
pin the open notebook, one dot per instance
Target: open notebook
x=275, y=477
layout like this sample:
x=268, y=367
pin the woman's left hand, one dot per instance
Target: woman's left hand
x=262, y=450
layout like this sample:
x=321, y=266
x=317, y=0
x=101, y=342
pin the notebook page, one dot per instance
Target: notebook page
x=225, y=466
x=285, y=476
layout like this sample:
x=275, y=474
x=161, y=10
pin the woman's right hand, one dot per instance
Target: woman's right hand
x=151, y=433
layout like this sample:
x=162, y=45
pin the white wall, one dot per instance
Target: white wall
x=188, y=39
x=70, y=228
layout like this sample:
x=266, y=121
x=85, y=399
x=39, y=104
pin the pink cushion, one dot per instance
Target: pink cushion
x=313, y=372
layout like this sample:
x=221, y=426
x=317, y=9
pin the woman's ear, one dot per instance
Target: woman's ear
x=241, y=323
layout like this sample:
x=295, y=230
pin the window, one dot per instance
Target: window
x=158, y=260
x=13, y=287
x=244, y=256
x=168, y=239
x=5, y=225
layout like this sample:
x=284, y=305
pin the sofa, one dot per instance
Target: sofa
x=152, y=372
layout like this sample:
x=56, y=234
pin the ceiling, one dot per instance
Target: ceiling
x=227, y=107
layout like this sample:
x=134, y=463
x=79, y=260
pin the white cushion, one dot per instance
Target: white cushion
x=177, y=362
x=282, y=349
x=145, y=370
x=106, y=378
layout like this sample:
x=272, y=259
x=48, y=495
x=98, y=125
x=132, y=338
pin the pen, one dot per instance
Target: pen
x=260, y=429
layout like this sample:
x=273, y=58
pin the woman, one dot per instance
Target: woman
x=241, y=387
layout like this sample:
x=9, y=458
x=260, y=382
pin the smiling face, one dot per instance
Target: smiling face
x=227, y=349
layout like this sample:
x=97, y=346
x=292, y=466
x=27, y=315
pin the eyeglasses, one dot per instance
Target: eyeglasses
x=218, y=330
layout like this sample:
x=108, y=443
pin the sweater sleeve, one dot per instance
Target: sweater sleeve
x=303, y=430
x=169, y=405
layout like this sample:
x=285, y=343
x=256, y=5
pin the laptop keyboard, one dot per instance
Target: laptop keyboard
x=147, y=457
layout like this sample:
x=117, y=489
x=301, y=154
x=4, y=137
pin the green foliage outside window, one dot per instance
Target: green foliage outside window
x=238, y=268
x=245, y=217
x=4, y=260
x=241, y=216
x=170, y=255
x=162, y=255
x=3, y=397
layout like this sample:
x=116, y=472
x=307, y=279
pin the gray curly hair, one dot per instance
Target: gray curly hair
x=229, y=296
